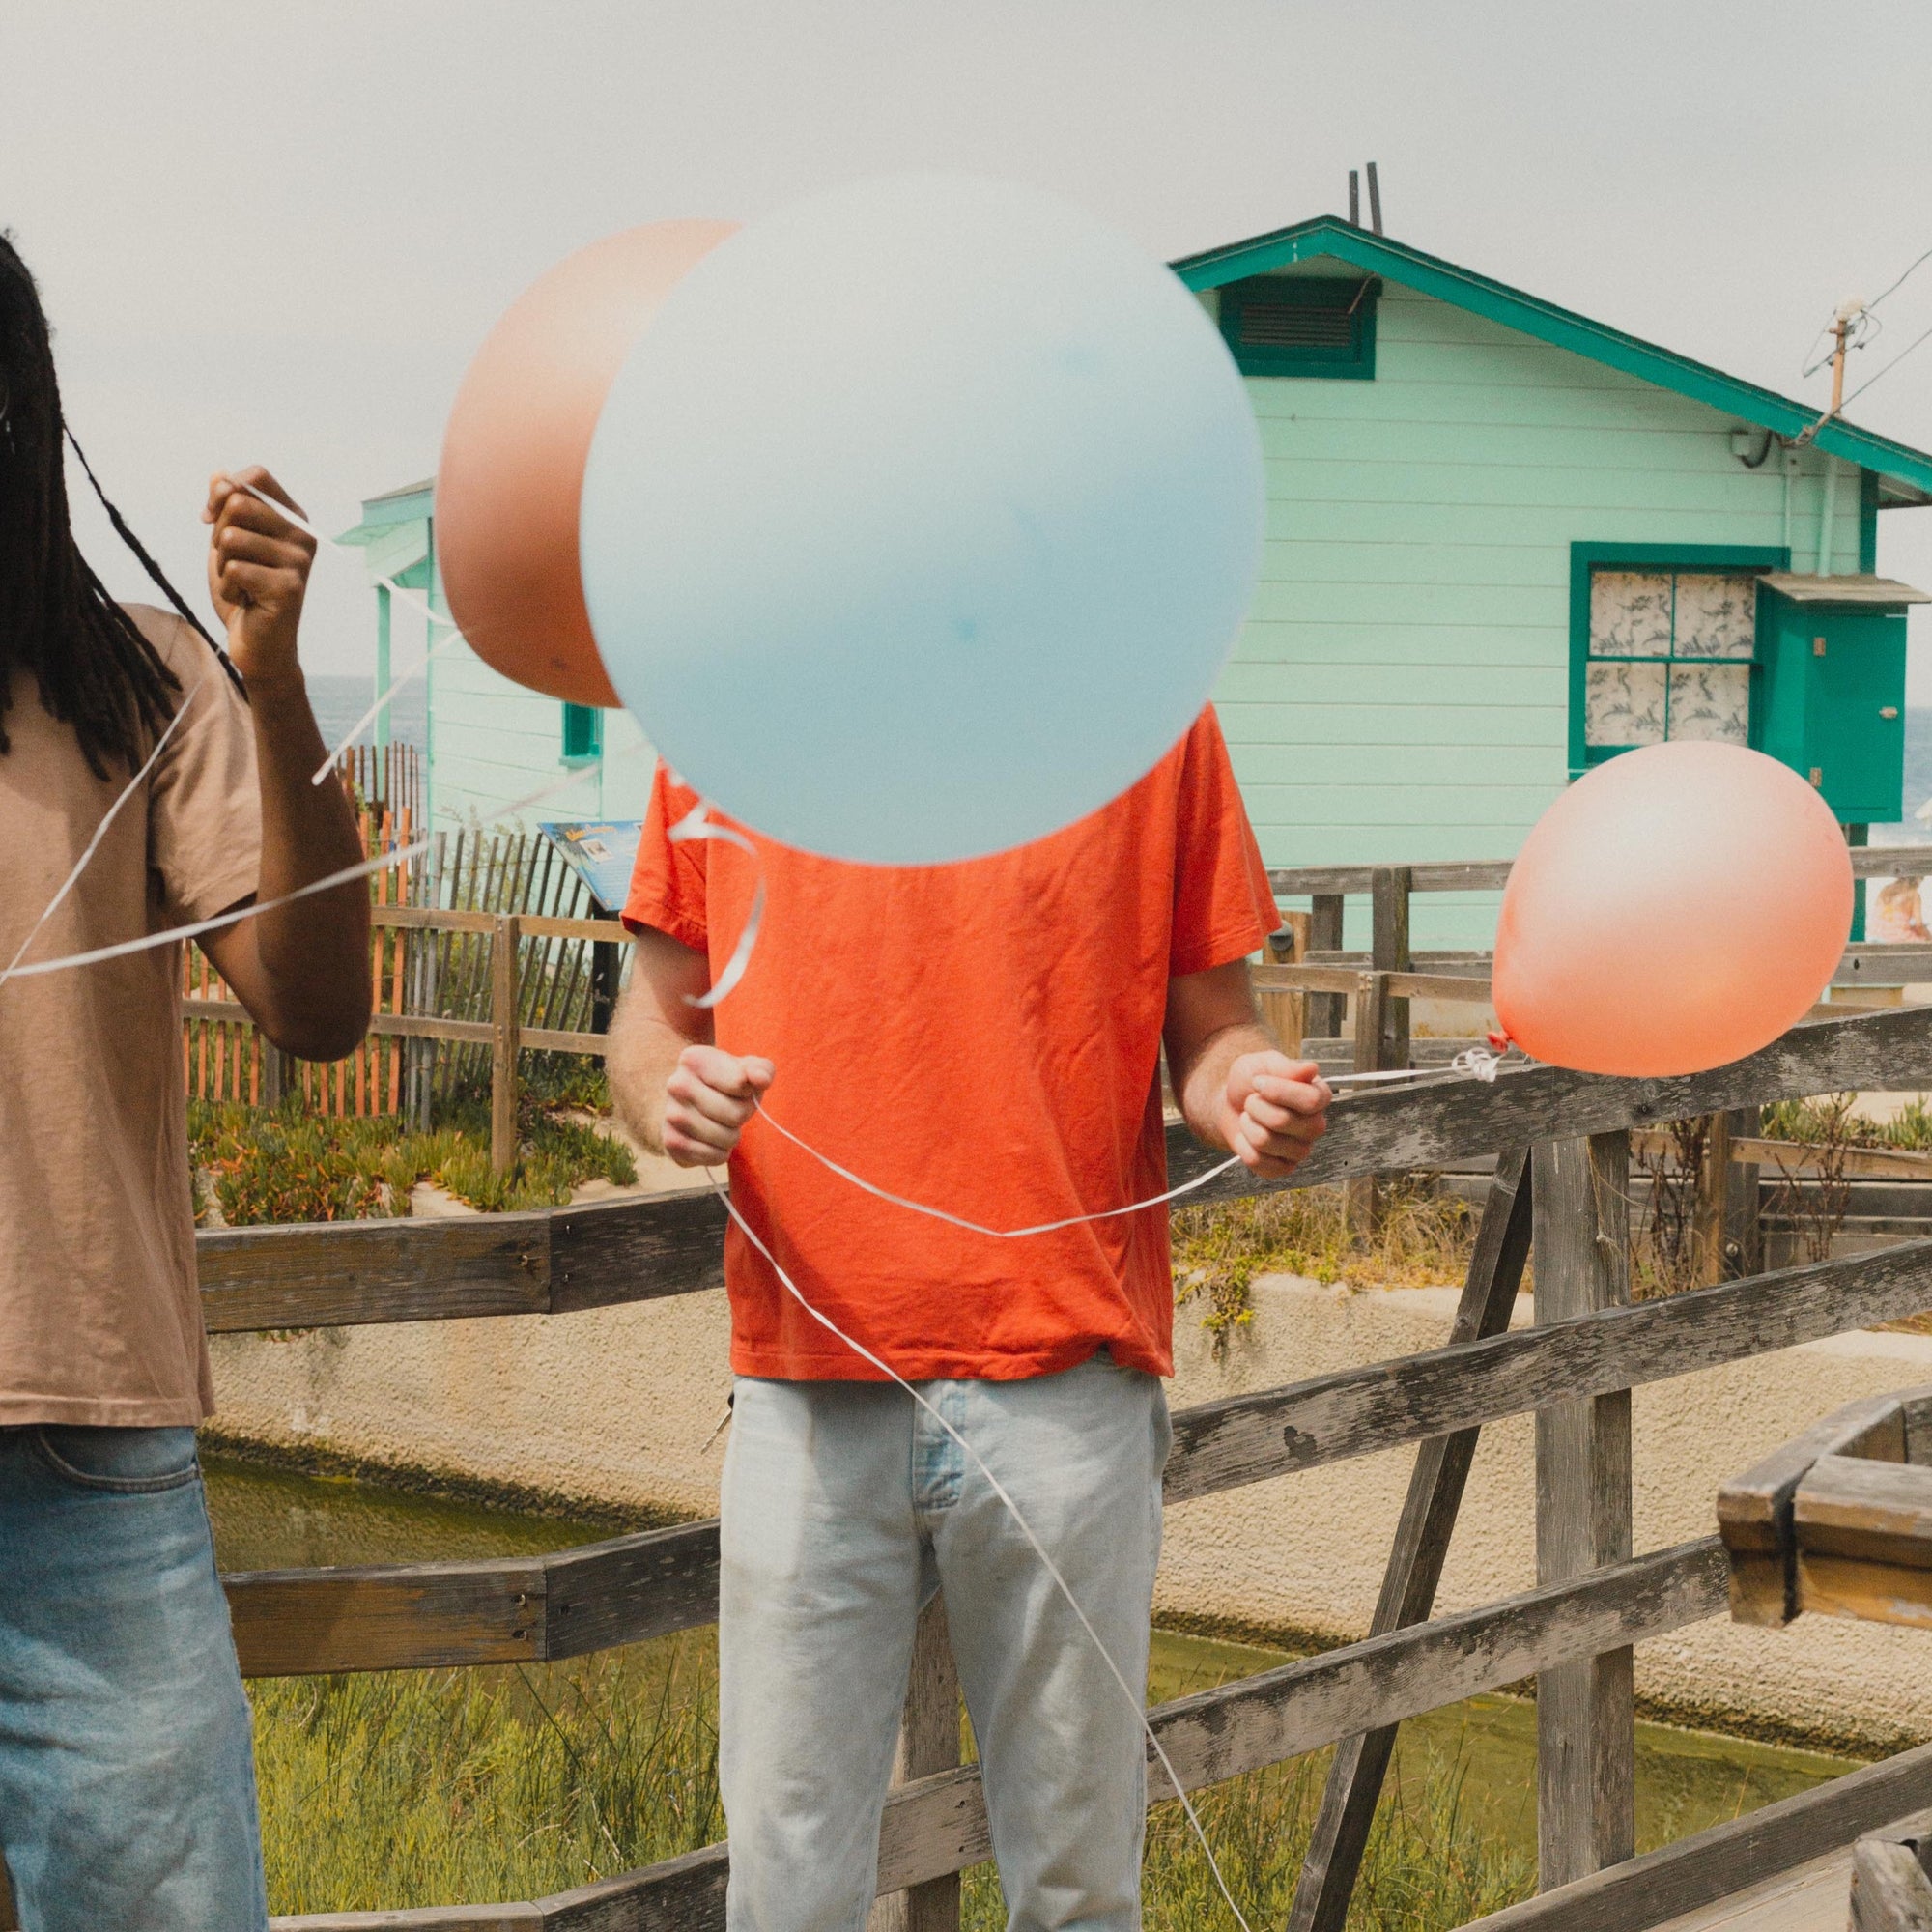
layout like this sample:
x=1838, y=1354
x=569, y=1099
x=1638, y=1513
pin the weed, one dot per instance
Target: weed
x=1424, y=1240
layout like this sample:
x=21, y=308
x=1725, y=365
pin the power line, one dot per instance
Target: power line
x=1877, y=298
x=1887, y=370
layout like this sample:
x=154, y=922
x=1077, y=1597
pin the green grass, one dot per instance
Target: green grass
x=287, y=1164
x=478, y=1787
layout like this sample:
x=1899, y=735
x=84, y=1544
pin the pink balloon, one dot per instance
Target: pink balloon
x=1677, y=908
x=513, y=454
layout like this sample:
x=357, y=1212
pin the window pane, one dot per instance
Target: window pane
x=1717, y=617
x=1629, y=614
x=1624, y=704
x=1710, y=700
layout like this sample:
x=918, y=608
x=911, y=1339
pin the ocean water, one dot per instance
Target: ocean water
x=339, y=702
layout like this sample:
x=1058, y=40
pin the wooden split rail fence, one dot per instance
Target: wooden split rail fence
x=1561, y=1142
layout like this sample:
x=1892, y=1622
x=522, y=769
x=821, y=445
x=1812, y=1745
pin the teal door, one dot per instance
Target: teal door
x=1858, y=714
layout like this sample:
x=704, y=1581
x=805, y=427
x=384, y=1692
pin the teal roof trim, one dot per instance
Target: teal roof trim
x=1328, y=236
x=381, y=514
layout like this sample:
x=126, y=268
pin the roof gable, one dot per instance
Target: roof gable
x=1327, y=236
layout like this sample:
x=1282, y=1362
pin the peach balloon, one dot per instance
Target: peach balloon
x=513, y=454
x=1677, y=908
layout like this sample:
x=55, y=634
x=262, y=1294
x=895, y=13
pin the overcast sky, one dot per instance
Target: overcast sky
x=276, y=233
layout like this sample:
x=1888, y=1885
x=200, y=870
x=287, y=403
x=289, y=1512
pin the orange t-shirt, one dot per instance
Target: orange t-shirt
x=983, y=1038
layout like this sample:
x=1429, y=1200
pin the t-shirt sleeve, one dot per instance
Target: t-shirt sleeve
x=668, y=883
x=205, y=801
x=1223, y=907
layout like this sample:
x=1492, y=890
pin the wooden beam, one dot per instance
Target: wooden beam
x=1890, y=1889
x=1754, y=1509
x=1357, y=1411
x=338, y=1273
x=928, y=1743
x=1490, y=875
x=1856, y=1506
x=1585, y=1718
x=1703, y=1869
x=418, y=1616
x=1435, y=1484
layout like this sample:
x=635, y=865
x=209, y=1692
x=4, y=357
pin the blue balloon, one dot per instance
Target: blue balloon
x=921, y=519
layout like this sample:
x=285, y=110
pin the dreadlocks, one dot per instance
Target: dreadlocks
x=95, y=668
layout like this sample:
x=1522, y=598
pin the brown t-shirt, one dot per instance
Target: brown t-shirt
x=99, y=1317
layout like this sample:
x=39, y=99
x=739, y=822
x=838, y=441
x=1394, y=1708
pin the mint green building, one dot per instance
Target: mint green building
x=1504, y=542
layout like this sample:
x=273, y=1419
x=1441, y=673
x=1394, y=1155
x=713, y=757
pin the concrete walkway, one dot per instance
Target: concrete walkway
x=1813, y=1898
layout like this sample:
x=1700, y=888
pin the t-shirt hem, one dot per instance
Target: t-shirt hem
x=81, y=1411
x=920, y=1365
x=1223, y=949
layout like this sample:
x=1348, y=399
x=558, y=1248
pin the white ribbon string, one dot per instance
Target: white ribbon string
x=149, y=941
x=108, y=817
x=1135, y=1701
x=972, y=1227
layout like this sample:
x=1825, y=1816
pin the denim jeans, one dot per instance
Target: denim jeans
x=127, y=1765
x=846, y=1506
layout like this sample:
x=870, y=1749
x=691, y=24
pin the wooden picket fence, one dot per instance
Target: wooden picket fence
x=478, y=938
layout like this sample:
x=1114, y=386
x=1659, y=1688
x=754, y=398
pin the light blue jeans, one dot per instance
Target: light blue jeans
x=126, y=1765
x=846, y=1506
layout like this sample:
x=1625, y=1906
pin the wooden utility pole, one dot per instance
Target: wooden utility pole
x=1840, y=329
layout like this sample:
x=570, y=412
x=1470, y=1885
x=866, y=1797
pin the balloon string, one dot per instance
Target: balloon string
x=107, y=818
x=1135, y=1698
x=384, y=862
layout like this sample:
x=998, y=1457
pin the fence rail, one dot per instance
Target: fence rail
x=1569, y=1631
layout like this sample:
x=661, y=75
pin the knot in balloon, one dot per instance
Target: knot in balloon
x=1677, y=908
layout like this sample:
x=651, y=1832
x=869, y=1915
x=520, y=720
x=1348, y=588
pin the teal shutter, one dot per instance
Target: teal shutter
x=583, y=734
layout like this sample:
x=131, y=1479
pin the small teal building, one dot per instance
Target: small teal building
x=1505, y=542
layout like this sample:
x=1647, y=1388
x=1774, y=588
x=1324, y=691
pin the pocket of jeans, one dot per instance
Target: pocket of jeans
x=120, y=1461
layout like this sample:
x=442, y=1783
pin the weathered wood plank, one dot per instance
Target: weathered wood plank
x=602, y=1594
x=346, y=1272
x=1435, y=1484
x=928, y=1743
x=294, y=1623
x=337, y=1272
x=1878, y=1512
x=1585, y=1721
x=1446, y=1119
x=1355, y=1412
x=1701, y=1870
x=1890, y=1889
x=1754, y=1509
x=684, y=1894
x=520, y=1918
x=1872, y=1592
x=1490, y=875
x=670, y=1243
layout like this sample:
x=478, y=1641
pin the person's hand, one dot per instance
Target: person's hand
x=257, y=565
x=1274, y=1109
x=708, y=1097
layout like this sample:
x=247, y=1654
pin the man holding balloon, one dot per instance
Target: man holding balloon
x=913, y=523
x=925, y=587
x=983, y=1036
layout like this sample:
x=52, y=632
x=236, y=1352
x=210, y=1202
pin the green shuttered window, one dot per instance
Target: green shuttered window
x=1301, y=326
x=583, y=734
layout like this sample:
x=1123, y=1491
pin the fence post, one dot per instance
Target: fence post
x=1585, y=1736
x=1389, y=890
x=1284, y=1012
x=504, y=1042
x=1743, y=1236
x=928, y=1742
x=1711, y=1216
x=1324, y=935
x=1361, y=1198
